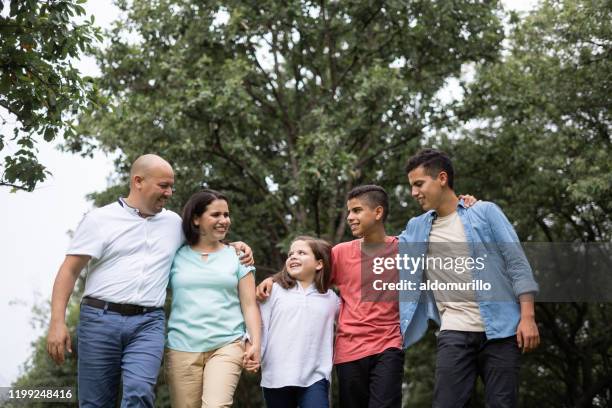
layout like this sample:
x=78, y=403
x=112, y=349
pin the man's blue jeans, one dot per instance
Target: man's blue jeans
x=113, y=347
x=313, y=396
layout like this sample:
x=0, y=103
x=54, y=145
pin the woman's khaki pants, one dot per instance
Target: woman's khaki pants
x=206, y=380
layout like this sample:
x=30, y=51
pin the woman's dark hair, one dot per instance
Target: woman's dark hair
x=322, y=252
x=195, y=207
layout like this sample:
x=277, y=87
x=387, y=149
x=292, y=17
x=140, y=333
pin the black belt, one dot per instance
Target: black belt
x=121, y=308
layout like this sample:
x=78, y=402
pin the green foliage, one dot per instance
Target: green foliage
x=284, y=106
x=40, y=90
x=547, y=121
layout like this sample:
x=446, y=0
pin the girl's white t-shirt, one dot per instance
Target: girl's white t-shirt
x=298, y=336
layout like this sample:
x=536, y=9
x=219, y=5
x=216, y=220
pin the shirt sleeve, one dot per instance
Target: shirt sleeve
x=338, y=304
x=87, y=239
x=517, y=266
x=244, y=270
x=176, y=263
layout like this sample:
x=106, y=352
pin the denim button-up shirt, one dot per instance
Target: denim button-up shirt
x=489, y=233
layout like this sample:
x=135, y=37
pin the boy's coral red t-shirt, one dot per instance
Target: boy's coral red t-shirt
x=364, y=328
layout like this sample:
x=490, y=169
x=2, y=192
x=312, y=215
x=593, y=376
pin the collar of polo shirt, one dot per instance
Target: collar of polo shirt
x=133, y=210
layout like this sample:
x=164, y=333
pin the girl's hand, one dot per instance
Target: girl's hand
x=468, y=200
x=252, y=357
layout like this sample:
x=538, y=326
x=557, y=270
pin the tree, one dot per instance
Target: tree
x=539, y=145
x=284, y=106
x=40, y=90
x=287, y=107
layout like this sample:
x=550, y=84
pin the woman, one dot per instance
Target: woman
x=213, y=296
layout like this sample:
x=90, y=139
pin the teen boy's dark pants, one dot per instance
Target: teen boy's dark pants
x=462, y=356
x=372, y=382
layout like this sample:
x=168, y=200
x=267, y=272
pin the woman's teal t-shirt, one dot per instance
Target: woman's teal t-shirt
x=205, y=312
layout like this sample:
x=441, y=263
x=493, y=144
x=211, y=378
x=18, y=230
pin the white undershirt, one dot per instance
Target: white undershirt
x=447, y=239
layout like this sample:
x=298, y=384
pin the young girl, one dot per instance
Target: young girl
x=213, y=296
x=298, y=329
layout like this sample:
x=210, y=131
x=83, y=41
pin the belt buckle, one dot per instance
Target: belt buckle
x=124, y=309
x=129, y=310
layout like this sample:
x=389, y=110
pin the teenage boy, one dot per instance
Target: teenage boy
x=368, y=348
x=481, y=333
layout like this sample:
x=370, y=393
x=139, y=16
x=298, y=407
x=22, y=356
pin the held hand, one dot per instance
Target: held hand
x=58, y=338
x=468, y=200
x=251, y=359
x=264, y=289
x=247, y=253
x=527, y=334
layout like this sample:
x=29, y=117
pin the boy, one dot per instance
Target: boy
x=368, y=350
x=481, y=333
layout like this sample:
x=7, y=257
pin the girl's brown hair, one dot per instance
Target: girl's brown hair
x=322, y=252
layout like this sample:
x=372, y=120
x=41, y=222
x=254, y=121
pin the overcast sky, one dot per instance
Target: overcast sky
x=35, y=225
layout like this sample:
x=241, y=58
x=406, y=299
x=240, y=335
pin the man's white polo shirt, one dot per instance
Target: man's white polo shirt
x=131, y=255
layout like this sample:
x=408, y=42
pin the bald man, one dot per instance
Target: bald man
x=128, y=247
